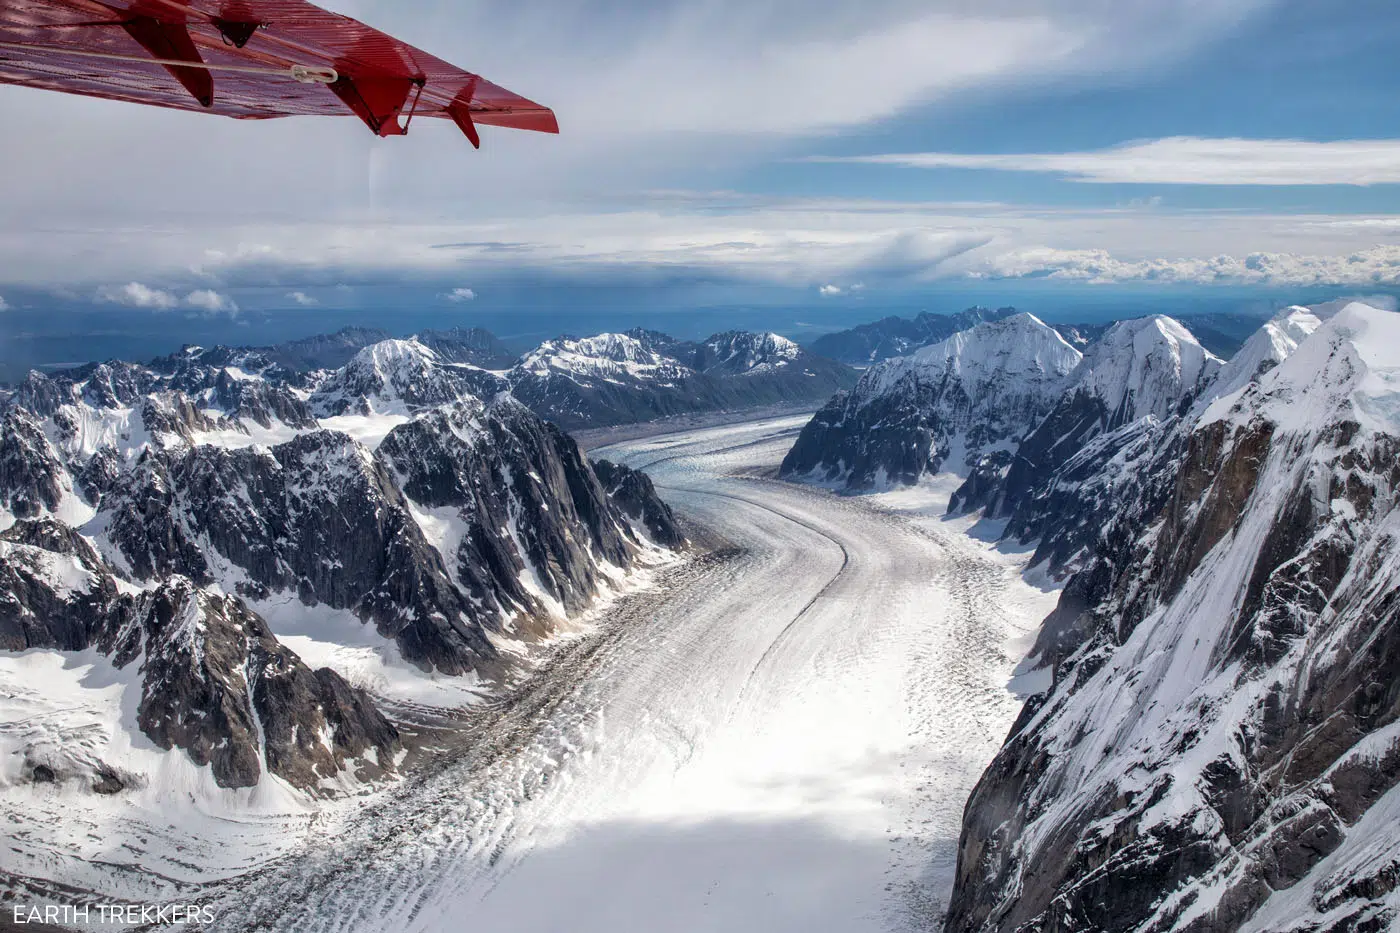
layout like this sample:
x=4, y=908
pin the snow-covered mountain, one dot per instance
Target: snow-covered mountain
x=1270, y=345
x=1061, y=481
x=642, y=375
x=879, y=340
x=1217, y=751
x=742, y=353
x=396, y=377
x=867, y=344
x=169, y=520
x=946, y=405
x=212, y=679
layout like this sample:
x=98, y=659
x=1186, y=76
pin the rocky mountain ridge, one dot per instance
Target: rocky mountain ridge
x=946, y=405
x=1061, y=480
x=867, y=344
x=150, y=509
x=612, y=379
x=1216, y=751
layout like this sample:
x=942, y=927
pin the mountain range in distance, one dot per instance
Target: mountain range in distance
x=596, y=381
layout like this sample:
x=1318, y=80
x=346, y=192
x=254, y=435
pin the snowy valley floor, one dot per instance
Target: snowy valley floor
x=779, y=736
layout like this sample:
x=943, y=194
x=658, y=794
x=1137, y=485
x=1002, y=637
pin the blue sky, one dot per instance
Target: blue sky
x=826, y=151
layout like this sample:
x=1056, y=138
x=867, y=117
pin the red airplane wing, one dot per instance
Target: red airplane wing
x=249, y=59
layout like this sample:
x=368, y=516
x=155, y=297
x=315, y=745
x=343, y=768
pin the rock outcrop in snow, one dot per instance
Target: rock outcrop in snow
x=1218, y=751
x=943, y=407
x=149, y=507
x=214, y=680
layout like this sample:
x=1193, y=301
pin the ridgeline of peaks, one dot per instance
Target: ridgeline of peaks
x=896, y=336
x=1219, y=746
x=1218, y=750
x=643, y=375
x=867, y=344
x=153, y=512
x=945, y=405
x=1062, y=480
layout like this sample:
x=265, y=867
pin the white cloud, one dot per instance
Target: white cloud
x=211, y=302
x=302, y=298
x=4, y=305
x=1187, y=160
x=801, y=243
x=673, y=89
x=1378, y=265
x=829, y=291
x=136, y=295
x=704, y=75
x=460, y=294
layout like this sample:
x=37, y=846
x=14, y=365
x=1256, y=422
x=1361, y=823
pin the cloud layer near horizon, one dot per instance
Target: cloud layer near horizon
x=796, y=243
x=656, y=101
x=663, y=95
x=1185, y=160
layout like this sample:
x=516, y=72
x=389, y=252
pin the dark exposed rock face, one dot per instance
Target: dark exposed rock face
x=213, y=678
x=54, y=592
x=318, y=516
x=445, y=521
x=32, y=477
x=979, y=391
x=530, y=506
x=1218, y=746
x=633, y=492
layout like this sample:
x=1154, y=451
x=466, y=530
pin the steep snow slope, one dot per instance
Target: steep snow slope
x=940, y=408
x=1058, y=485
x=1217, y=750
x=1270, y=345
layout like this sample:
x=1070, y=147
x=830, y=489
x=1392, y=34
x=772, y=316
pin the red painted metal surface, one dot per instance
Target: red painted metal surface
x=55, y=44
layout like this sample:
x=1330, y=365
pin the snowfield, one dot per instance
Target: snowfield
x=778, y=736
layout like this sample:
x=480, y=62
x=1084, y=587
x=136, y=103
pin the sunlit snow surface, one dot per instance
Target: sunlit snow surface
x=783, y=742
x=172, y=826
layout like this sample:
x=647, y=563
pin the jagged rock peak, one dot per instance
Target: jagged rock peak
x=741, y=352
